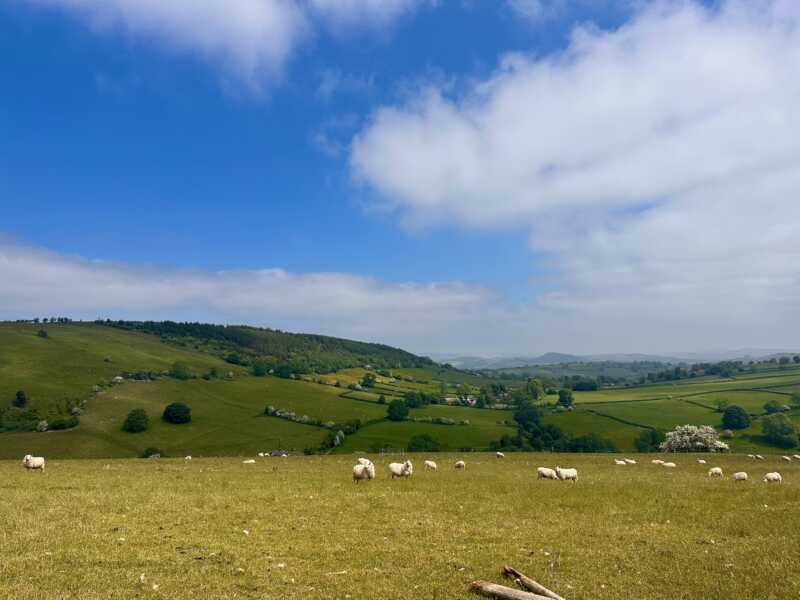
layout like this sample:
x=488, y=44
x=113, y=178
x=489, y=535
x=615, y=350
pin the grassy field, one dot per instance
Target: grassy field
x=90, y=529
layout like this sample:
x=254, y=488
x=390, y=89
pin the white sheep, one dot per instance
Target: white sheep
x=405, y=469
x=752, y=456
x=460, y=465
x=362, y=471
x=796, y=456
x=657, y=461
x=567, y=474
x=622, y=463
x=187, y=458
x=759, y=457
x=430, y=465
x=249, y=461
x=739, y=476
x=700, y=461
x=715, y=472
x=261, y=455
x=787, y=458
x=546, y=473
x=669, y=465
x=630, y=461
x=500, y=455
x=364, y=461
x=773, y=477
x=33, y=462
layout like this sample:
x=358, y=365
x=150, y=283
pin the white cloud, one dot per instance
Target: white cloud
x=346, y=13
x=657, y=167
x=252, y=40
x=536, y=10
x=35, y=282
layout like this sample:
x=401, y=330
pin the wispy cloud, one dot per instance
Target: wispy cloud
x=250, y=40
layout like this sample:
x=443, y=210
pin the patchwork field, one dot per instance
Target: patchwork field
x=299, y=528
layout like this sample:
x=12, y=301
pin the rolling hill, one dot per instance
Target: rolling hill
x=69, y=376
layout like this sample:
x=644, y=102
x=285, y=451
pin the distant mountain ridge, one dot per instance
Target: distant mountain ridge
x=553, y=358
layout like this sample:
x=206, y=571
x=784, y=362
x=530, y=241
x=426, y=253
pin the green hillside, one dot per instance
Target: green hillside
x=68, y=378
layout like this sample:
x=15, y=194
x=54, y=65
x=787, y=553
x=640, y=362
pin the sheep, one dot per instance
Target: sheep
x=460, y=465
x=700, y=461
x=249, y=461
x=33, y=462
x=739, y=476
x=630, y=461
x=759, y=457
x=405, y=469
x=500, y=455
x=715, y=472
x=796, y=456
x=430, y=465
x=567, y=474
x=187, y=458
x=751, y=456
x=261, y=455
x=787, y=458
x=362, y=471
x=546, y=473
x=773, y=477
x=620, y=462
x=657, y=461
x=669, y=465
x=364, y=461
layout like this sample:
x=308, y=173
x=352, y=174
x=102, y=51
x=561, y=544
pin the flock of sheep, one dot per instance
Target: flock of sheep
x=364, y=469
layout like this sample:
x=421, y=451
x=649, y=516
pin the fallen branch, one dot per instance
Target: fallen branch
x=501, y=592
x=529, y=584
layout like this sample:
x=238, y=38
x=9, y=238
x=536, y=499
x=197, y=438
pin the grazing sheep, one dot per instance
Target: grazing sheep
x=546, y=473
x=567, y=474
x=796, y=456
x=405, y=469
x=364, y=461
x=460, y=465
x=430, y=465
x=187, y=458
x=361, y=471
x=620, y=462
x=33, y=462
x=669, y=465
x=261, y=455
x=500, y=455
x=715, y=472
x=249, y=461
x=739, y=476
x=773, y=477
x=700, y=461
x=630, y=461
x=752, y=456
x=657, y=461
x=759, y=457
x=787, y=458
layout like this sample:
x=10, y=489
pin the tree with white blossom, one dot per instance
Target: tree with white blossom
x=693, y=438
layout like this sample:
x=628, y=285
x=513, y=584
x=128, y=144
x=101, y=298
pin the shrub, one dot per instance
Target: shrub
x=397, y=410
x=779, y=430
x=177, y=413
x=260, y=369
x=180, y=370
x=423, y=443
x=136, y=421
x=21, y=399
x=64, y=423
x=381, y=400
x=152, y=452
x=735, y=417
x=773, y=406
x=43, y=334
x=649, y=440
x=565, y=397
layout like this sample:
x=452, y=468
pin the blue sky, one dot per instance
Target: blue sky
x=376, y=143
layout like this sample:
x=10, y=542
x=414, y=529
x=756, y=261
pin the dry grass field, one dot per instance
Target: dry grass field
x=300, y=528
